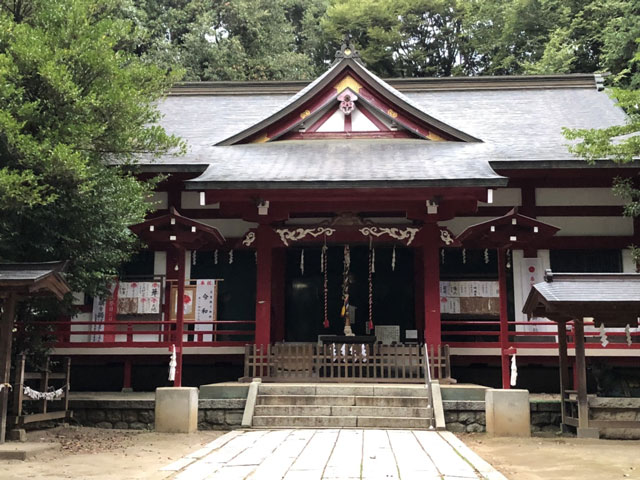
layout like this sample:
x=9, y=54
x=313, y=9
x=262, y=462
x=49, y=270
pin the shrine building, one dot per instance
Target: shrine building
x=402, y=211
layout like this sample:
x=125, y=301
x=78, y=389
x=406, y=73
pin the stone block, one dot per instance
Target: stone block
x=176, y=410
x=17, y=435
x=475, y=428
x=582, y=432
x=138, y=426
x=215, y=416
x=456, y=427
x=221, y=403
x=105, y=425
x=508, y=413
x=146, y=416
x=233, y=418
x=225, y=390
x=450, y=416
x=466, y=417
x=130, y=416
x=121, y=425
x=113, y=415
x=96, y=416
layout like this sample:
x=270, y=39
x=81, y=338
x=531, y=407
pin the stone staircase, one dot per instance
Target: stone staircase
x=342, y=405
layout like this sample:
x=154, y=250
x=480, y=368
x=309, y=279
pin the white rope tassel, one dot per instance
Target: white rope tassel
x=603, y=336
x=373, y=260
x=302, y=262
x=173, y=363
x=514, y=370
x=486, y=255
x=627, y=332
x=193, y=257
x=393, y=259
x=322, y=260
x=230, y=257
x=215, y=257
x=464, y=255
x=442, y=256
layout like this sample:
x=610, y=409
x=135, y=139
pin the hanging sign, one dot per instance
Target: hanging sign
x=531, y=272
x=206, y=311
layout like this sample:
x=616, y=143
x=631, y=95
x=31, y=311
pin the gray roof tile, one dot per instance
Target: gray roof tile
x=517, y=127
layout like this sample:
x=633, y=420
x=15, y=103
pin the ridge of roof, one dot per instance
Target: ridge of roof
x=284, y=87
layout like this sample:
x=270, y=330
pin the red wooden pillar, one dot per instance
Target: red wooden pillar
x=263, y=287
x=278, y=294
x=418, y=279
x=180, y=317
x=504, y=318
x=431, y=284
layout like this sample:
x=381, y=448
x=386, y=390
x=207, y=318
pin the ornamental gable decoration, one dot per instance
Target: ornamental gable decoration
x=348, y=101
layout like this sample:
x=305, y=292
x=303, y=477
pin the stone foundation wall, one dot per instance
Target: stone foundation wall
x=618, y=410
x=213, y=414
x=464, y=416
x=469, y=416
x=545, y=416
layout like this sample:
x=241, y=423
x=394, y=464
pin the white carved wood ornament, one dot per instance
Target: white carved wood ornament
x=294, y=235
x=396, y=233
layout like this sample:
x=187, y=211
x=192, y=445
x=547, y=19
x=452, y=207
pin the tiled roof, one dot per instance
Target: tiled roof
x=591, y=288
x=519, y=128
x=342, y=163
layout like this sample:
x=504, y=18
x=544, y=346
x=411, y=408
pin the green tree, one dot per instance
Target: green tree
x=413, y=38
x=239, y=40
x=73, y=100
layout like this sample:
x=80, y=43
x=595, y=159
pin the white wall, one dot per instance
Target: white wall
x=591, y=226
x=505, y=197
x=550, y=197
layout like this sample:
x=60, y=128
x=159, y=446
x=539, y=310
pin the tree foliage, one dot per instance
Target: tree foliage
x=74, y=98
x=239, y=40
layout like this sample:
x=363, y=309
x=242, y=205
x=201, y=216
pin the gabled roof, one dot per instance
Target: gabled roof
x=34, y=278
x=612, y=298
x=174, y=230
x=348, y=73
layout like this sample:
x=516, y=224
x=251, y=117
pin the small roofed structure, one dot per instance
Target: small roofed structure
x=175, y=232
x=612, y=300
x=18, y=281
x=512, y=230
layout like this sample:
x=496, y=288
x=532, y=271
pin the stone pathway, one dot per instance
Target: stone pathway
x=346, y=454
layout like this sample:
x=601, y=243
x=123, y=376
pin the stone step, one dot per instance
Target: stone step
x=343, y=390
x=292, y=410
x=340, y=411
x=381, y=412
x=275, y=421
x=344, y=400
x=393, y=422
x=391, y=401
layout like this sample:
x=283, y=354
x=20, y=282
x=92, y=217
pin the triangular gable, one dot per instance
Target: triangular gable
x=348, y=101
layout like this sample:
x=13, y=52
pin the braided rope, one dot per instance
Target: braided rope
x=371, y=260
x=326, y=287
